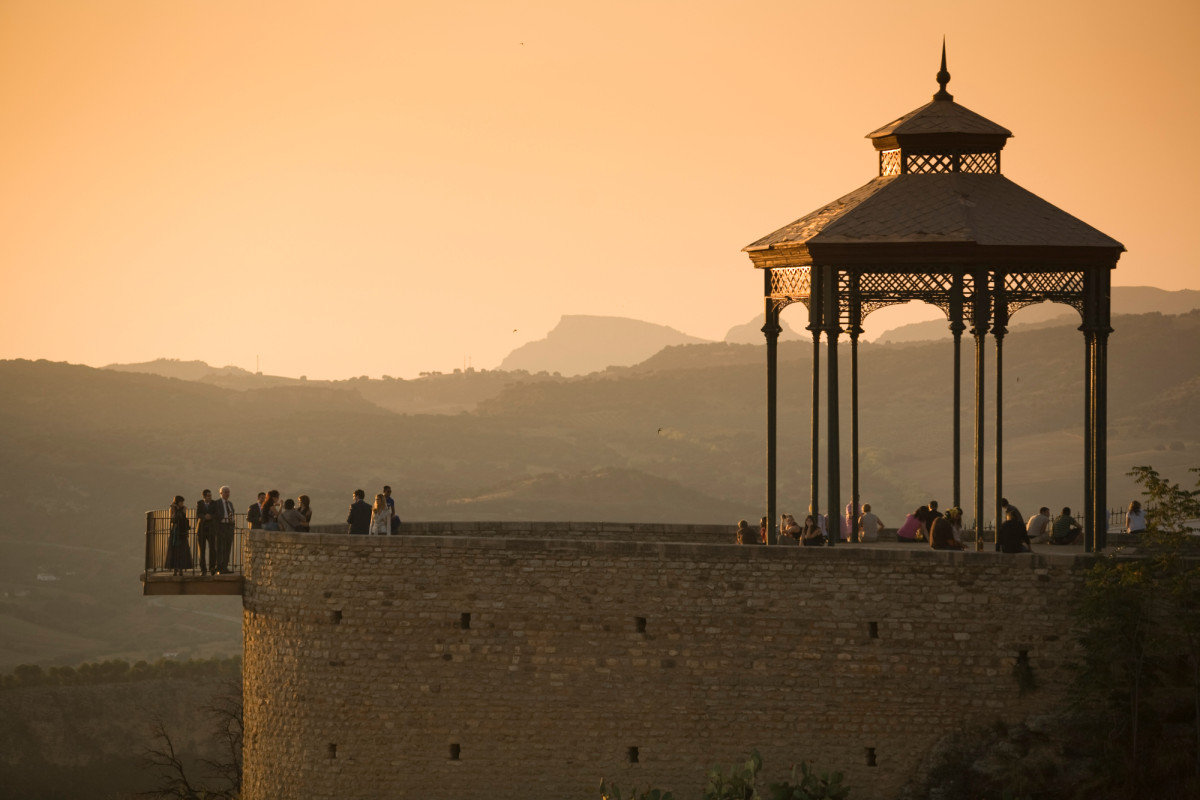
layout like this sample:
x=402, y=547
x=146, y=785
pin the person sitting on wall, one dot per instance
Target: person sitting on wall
x=746, y=534
x=869, y=525
x=1012, y=536
x=1065, y=530
x=762, y=530
x=1135, y=518
x=811, y=534
x=913, y=528
x=789, y=531
x=954, y=516
x=1036, y=529
x=941, y=535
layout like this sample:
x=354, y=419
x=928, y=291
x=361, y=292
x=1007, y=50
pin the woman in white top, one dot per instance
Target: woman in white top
x=381, y=516
x=1135, y=518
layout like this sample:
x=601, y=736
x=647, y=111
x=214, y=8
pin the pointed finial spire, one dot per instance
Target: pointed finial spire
x=943, y=77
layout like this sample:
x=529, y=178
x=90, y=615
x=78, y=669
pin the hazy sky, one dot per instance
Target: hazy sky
x=366, y=188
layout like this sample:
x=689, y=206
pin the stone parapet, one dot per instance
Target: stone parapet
x=480, y=665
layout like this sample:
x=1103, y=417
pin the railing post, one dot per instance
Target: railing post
x=149, y=541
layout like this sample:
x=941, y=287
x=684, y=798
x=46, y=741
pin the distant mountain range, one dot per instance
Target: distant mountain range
x=678, y=437
x=580, y=344
x=583, y=344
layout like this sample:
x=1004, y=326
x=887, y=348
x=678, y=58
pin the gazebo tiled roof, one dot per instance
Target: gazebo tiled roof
x=947, y=208
x=940, y=116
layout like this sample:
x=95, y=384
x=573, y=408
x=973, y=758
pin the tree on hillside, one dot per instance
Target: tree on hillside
x=1141, y=647
x=224, y=779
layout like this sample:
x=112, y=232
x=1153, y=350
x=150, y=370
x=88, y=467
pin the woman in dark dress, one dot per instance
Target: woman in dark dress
x=179, y=553
x=305, y=509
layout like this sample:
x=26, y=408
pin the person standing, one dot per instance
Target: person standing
x=304, y=507
x=290, y=519
x=270, y=511
x=207, y=514
x=1135, y=518
x=1036, y=529
x=358, y=521
x=381, y=517
x=225, y=524
x=393, y=520
x=254, y=518
x=179, y=555
x=868, y=525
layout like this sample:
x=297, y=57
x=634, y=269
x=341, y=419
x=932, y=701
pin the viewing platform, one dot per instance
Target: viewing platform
x=157, y=579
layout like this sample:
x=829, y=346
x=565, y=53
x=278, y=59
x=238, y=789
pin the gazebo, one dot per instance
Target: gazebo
x=939, y=224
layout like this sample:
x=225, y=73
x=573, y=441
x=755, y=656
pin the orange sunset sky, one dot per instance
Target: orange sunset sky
x=367, y=188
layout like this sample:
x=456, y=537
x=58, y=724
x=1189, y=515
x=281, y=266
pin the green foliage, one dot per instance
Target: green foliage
x=740, y=782
x=1140, y=622
x=117, y=671
x=614, y=793
x=735, y=782
x=813, y=785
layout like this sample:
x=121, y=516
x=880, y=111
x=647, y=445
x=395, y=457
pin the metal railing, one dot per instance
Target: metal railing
x=1116, y=519
x=158, y=533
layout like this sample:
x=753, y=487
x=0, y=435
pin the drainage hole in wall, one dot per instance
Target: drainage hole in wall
x=455, y=752
x=632, y=755
x=464, y=622
x=873, y=629
x=332, y=753
x=640, y=623
x=870, y=756
x=335, y=617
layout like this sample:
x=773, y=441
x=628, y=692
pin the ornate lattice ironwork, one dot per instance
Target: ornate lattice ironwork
x=876, y=290
x=791, y=283
x=1030, y=288
x=921, y=163
x=980, y=163
x=889, y=162
x=894, y=162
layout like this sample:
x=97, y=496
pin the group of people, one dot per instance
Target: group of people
x=813, y=533
x=269, y=514
x=377, y=519
x=214, y=534
x=941, y=531
x=215, y=524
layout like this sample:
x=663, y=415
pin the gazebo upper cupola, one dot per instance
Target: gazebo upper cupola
x=940, y=136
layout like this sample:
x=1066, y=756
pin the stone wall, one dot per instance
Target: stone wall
x=490, y=667
x=568, y=531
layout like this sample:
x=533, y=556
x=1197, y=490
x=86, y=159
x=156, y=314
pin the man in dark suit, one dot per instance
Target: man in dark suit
x=207, y=514
x=254, y=512
x=359, y=519
x=225, y=521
